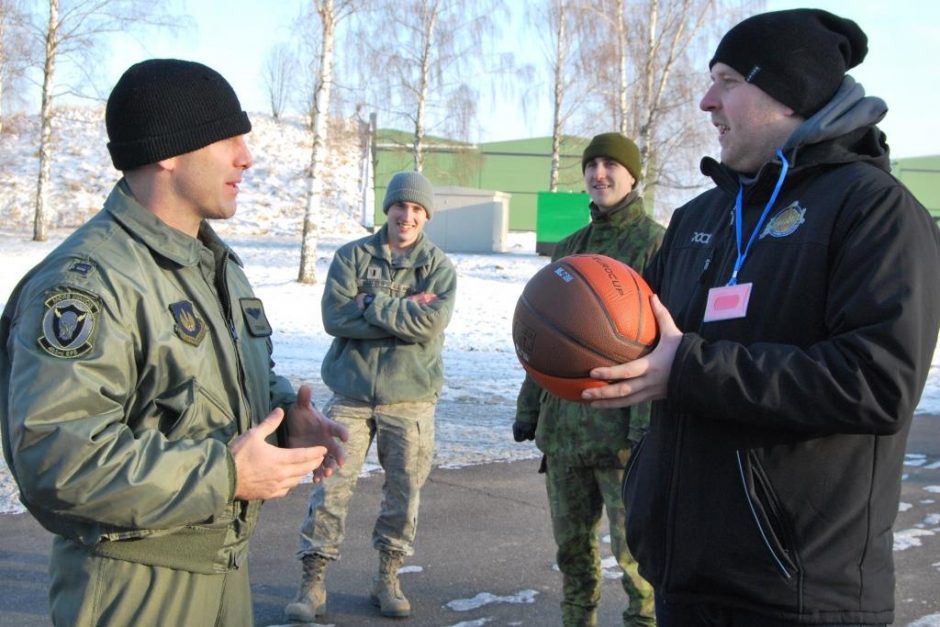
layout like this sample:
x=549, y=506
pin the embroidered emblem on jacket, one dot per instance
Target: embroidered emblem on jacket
x=69, y=324
x=255, y=320
x=189, y=326
x=701, y=238
x=785, y=222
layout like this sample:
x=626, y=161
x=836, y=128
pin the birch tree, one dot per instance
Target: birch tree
x=657, y=80
x=329, y=13
x=558, y=83
x=280, y=68
x=433, y=60
x=74, y=31
x=566, y=32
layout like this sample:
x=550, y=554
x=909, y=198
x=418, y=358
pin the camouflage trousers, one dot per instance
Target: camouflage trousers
x=577, y=496
x=404, y=436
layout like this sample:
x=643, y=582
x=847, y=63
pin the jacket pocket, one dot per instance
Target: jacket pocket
x=628, y=470
x=769, y=517
x=189, y=411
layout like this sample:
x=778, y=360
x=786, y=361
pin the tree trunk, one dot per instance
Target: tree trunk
x=561, y=49
x=622, y=50
x=45, y=134
x=321, y=117
x=4, y=15
x=430, y=22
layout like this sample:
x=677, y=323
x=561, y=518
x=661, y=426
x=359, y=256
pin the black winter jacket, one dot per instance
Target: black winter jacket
x=770, y=477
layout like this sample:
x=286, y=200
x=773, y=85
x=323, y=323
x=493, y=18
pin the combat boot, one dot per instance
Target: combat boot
x=310, y=600
x=386, y=590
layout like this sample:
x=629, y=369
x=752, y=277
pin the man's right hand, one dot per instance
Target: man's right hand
x=264, y=471
x=523, y=431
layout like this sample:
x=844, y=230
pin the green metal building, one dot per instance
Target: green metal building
x=520, y=168
x=921, y=175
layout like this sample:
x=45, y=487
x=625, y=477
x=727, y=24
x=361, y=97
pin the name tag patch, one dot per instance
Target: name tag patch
x=255, y=319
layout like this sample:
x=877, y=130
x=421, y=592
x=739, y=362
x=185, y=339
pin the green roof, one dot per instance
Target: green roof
x=921, y=175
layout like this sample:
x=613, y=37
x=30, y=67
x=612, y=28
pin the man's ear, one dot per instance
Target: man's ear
x=167, y=164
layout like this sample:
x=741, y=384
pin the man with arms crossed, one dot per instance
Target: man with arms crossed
x=387, y=300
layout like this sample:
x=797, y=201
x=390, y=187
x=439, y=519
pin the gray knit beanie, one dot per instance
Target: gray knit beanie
x=161, y=108
x=409, y=187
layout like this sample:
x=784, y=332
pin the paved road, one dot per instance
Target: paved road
x=484, y=552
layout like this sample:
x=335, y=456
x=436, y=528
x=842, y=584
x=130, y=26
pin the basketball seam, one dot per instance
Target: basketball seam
x=575, y=339
x=603, y=308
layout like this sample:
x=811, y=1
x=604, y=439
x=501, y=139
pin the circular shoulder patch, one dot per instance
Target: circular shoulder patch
x=69, y=322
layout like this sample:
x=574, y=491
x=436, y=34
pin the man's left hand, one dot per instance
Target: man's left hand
x=643, y=379
x=307, y=426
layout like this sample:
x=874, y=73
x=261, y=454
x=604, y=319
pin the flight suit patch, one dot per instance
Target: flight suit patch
x=69, y=323
x=189, y=326
x=255, y=319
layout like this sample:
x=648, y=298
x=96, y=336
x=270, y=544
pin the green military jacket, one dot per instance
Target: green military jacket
x=576, y=433
x=129, y=359
x=391, y=351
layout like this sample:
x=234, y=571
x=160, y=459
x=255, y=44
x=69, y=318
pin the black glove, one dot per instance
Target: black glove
x=523, y=431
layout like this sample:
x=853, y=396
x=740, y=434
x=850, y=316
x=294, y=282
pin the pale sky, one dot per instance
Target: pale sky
x=234, y=36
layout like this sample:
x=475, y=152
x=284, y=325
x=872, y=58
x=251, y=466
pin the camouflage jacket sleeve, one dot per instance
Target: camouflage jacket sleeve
x=528, y=402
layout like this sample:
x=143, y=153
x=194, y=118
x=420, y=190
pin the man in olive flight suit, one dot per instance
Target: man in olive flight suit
x=585, y=449
x=137, y=395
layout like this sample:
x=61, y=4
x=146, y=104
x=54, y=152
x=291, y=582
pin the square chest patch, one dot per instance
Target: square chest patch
x=189, y=326
x=255, y=320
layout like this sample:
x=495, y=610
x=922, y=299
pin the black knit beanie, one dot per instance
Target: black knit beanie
x=798, y=57
x=614, y=146
x=162, y=108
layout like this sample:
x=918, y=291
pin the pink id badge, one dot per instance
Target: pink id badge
x=728, y=302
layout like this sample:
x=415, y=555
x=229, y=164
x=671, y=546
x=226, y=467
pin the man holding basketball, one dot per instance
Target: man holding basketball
x=585, y=448
x=805, y=282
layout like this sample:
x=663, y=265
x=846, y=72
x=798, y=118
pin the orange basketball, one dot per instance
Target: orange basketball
x=579, y=313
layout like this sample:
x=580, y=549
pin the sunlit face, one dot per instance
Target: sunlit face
x=607, y=181
x=751, y=125
x=205, y=181
x=405, y=222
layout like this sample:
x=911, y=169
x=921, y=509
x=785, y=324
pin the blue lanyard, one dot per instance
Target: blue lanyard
x=738, y=218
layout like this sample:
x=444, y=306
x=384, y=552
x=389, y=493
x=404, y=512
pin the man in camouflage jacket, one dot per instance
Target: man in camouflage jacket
x=585, y=449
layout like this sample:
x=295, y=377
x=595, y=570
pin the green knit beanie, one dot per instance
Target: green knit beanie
x=616, y=147
x=409, y=187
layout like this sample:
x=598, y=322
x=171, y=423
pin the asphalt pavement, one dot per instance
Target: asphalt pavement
x=484, y=553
